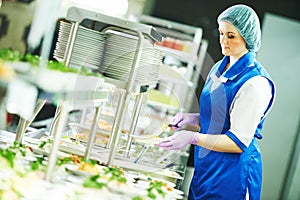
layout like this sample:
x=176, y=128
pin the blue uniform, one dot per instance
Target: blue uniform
x=221, y=175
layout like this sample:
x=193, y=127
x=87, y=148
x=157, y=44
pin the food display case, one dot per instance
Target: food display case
x=95, y=145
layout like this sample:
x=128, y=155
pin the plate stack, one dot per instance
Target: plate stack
x=111, y=54
x=119, y=58
x=88, y=46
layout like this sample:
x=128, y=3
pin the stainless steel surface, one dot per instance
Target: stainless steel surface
x=59, y=122
x=126, y=100
x=168, y=24
x=139, y=157
x=110, y=52
x=137, y=56
x=116, y=124
x=115, y=135
x=139, y=72
x=84, y=127
x=92, y=133
x=135, y=116
x=20, y=130
x=82, y=99
x=24, y=124
x=54, y=122
x=79, y=14
x=40, y=104
x=56, y=140
x=194, y=59
x=123, y=29
x=70, y=44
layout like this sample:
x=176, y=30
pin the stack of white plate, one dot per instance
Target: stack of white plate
x=118, y=59
x=88, y=46
x=111, y=54
x=62, y=40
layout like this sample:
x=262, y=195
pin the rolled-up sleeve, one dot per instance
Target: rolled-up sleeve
x=247, y=110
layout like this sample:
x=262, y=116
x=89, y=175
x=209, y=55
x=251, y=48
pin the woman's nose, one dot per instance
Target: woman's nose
x=223, y=40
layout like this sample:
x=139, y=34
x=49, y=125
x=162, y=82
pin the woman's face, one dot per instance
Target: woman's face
x=232, y=43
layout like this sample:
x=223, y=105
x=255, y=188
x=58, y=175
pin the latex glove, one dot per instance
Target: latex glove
x=179, y=140
x=181, y=119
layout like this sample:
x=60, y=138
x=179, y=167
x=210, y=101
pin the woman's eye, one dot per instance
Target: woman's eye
x=230, y=36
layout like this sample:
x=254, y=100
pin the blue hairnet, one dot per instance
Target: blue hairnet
x=246, y=21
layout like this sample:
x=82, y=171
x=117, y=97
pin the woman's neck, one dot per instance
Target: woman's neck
x=234, y=58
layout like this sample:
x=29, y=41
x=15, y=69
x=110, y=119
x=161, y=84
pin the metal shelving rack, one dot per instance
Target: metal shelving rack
x=181, y=31
x=194, y=62
x=103, y=23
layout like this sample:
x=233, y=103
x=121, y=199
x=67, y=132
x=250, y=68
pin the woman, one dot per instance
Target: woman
x=234, y=102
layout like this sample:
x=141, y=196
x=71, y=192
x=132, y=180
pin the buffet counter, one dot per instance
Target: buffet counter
x=23, y=169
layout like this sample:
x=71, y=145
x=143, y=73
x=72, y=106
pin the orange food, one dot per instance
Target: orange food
x=88, y=167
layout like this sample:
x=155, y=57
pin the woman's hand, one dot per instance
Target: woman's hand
x=181, y=119
x=215, y=142
x=179, y=140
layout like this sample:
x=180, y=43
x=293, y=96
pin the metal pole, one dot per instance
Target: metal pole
x=136, y=112
x=56, y=140
x=92, y=133
x=24, y=124
x=117, y=119
x=20, y=130
x=126, y=98
x=70, y=44
x=116, y=129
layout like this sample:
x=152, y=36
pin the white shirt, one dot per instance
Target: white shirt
x=248, y=107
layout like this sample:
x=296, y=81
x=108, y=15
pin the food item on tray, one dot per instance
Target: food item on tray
x=76, y=159
x=89, y=167
x=104, y=125
x=100, y=138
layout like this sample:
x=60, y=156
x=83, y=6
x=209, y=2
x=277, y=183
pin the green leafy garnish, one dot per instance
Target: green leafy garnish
x=10, y=153
x=59, y=66
x=43, y=143
x=64, y=160
x=116, y=174
x=137, y=198
x=92, y=182
x=155, y=186
x=14, y=55
x=34, y=60
x=93, y=162
x=38, y=164
x=9, y=55
x=9, y=156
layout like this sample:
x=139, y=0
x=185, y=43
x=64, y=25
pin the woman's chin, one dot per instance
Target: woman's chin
x=225, y=52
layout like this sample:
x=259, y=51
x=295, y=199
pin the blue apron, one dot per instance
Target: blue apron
x=221, y=175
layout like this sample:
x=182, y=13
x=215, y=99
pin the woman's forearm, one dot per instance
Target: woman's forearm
x=218, y=142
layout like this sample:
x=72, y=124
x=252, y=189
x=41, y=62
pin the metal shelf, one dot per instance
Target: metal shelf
x=179, y=31
x=76, y=14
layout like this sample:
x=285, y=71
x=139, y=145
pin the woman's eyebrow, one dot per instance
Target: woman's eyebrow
x=231, y=32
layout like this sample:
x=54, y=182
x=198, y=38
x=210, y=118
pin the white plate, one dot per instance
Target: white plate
x=125, y=188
